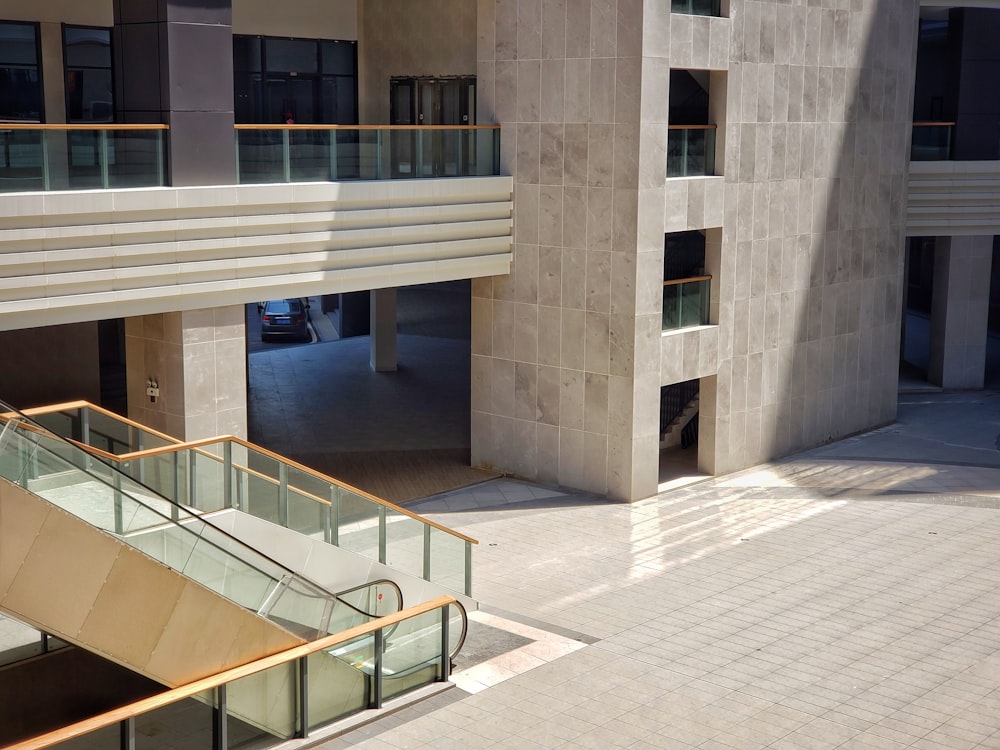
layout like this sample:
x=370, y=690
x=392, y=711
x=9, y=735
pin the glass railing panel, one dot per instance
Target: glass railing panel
x=55, y=470
x=686, y=303
x=412, y=655
x=106, y=738
x=320, y=153
x=308, y=503
x=931, y=141
x=76, y=158
x=22, y=160
x=206, y=480
x=357, y=520
x=377, y=599
x=186, y=723
x=336, y=690
x=697, y=7
x=278, y=713
x=690, y=150
x=404, y=542
x=447, y=560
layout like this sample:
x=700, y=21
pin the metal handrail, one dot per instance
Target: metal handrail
x=296, y=653
x=80, y=126
x=300, y=126
x=671, y=282
x=195, y=444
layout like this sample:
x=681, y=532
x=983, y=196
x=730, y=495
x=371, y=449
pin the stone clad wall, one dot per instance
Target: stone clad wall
x=815, y=121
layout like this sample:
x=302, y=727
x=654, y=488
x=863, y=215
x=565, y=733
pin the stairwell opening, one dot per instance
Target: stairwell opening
x=679, y=418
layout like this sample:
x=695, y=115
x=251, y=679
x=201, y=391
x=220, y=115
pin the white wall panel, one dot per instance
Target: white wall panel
x=86, y=255
x=951, y=198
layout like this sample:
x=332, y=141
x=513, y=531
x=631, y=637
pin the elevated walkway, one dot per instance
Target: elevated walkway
x=108, y=563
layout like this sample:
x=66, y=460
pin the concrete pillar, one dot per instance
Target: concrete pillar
x=197, y=359
x=383, y=330
x=174, y=65
x=960, y=311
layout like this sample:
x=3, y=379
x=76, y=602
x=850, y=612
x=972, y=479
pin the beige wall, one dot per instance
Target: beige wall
x=568, y=356
x=83, y=12
x=51, y=364
x=198, y=359
x=411, y=38
x=311, y=19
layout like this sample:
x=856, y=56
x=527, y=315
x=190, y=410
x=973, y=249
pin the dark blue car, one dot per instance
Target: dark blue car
x=284, y=317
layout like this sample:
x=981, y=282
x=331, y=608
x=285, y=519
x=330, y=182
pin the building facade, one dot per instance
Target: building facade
x=692, y=200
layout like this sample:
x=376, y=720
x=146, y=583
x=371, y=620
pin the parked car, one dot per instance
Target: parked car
x=284, y=317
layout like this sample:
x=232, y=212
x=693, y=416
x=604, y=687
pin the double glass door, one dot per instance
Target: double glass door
x=429, y=102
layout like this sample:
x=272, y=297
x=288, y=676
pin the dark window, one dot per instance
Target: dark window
x=307, y=81
x=20, y=79
x=89, y=87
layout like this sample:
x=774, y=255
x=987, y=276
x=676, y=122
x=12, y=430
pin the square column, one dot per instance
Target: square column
x=198, y=362
x=960, y=311
x=383, y=330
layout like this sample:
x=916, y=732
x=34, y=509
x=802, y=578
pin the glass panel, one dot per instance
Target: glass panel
x=309, y=154
x=268, y=700
x=336, y=690
x=690, y=152
x=186, y=723
x=21, y=159
x=358, y=529
x=686, y=304
x=308, y=503
x=696, y=7
x=404, y=542
x=207, y=481
x=246, y=53
x=671, y=311
x=447, y=560
x=338, y=57
x=260, y=156
x=18, y=44
x=931, y=143
x=349, y=154
x=292, y=55
x=89, y=96
x=412, y=654
x=87, y=47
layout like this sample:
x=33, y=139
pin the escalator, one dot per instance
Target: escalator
x=105, y=563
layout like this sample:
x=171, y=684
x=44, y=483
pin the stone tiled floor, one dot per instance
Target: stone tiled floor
x=846, y=598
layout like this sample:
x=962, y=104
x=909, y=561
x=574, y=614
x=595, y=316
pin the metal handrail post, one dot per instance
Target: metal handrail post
x=382, y=532
x=220, y=724
x=427, y=552
x=103, y=152
x=302, y=670
x=445, y=656
x=283, y=494
x=468, y=568
x=377, y=676
x=286, y=155
x=227, y=478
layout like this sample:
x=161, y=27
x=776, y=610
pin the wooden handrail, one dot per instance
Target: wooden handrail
x=932, y=124
x=692, y=127
x=132, y=710
x=81, y=126
x=176, y=445
x=671, y=282
x=248, y=126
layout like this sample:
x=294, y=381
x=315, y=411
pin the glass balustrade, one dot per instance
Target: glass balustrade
x=686, y=302
x=697, y=7
x=690, y=150
x=74, y=157
x=931, y=141
x=92, y=490
x=318, y=153
x=210, y=475
x=287, y=695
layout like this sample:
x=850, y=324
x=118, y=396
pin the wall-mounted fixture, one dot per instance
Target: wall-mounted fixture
x=152, y=390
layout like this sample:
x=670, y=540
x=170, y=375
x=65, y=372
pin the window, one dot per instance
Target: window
x=20, y=79
x=306, y=81
x=89, y=88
